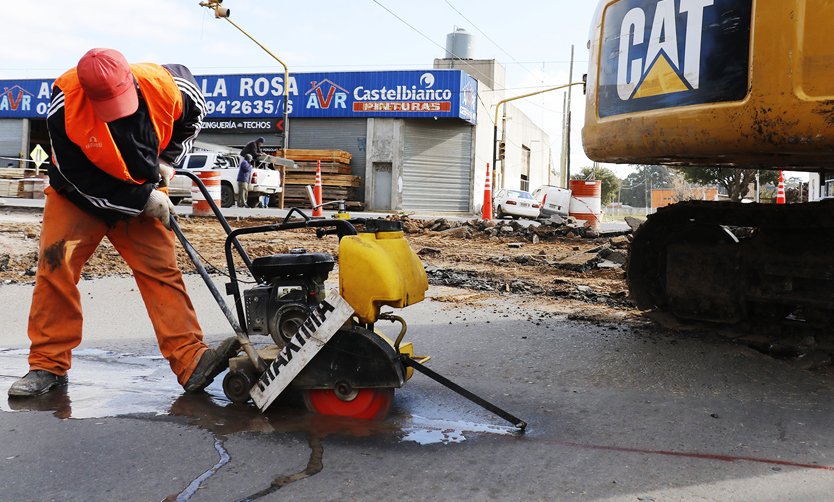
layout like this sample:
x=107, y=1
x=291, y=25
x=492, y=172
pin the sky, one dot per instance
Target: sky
x=531, y=38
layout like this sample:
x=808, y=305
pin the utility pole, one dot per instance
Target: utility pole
x=566, y=145
x=563, y=166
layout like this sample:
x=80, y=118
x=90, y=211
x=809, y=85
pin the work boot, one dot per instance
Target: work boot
x=212, y=363
x=35, y=383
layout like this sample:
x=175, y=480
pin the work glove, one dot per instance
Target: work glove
x=166, y=173
x=160, y=206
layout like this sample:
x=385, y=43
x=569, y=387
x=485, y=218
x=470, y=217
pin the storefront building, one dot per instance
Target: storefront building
x=412, y=134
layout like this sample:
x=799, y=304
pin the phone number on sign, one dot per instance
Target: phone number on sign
x=253, y=107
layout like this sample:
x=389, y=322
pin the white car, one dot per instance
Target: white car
x=554, y=200
x=516, y=203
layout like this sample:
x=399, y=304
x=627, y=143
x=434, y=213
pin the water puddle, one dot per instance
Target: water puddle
x=102, y=384
x=426, y=431
x=112, y=384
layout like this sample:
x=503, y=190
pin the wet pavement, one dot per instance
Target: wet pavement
x=615, y=412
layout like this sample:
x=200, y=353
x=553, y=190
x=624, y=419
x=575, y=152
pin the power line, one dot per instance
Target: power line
x=482, y=75
x=488, y=37
x=409, y=24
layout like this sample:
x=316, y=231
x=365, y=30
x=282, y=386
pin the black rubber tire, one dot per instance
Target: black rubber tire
x=227, y=195
x=499, y=213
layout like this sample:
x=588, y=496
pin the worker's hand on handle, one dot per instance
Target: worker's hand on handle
x=159, y=206
x=166, y=173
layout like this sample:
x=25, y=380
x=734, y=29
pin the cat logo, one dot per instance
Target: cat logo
x=664, y=53
x=662, y=71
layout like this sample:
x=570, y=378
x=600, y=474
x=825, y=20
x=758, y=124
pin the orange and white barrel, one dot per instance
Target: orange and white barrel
x=199, y=204
x=586, y=201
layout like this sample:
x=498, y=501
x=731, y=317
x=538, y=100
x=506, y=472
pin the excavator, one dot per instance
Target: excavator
x=721, y=83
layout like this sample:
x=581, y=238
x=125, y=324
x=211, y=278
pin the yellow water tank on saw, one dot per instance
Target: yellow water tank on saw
x=378, y=267
x=712, y=82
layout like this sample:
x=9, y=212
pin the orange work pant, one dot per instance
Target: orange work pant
x=68, y=239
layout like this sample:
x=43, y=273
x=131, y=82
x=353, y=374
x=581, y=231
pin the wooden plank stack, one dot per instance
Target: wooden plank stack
x=336, y=179
x=22, y=183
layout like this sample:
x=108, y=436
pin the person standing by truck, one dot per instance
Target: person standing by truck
x=253, y=148
x=115, y=130
x=244, y=173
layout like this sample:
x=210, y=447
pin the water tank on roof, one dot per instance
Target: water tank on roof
x=459, y=44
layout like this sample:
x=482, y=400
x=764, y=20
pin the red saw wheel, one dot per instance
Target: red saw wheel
x=367, y=404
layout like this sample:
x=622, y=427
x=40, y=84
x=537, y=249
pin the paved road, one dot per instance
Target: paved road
x=615, y=413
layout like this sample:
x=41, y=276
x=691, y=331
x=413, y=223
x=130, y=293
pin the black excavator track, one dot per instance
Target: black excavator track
x=746, y=266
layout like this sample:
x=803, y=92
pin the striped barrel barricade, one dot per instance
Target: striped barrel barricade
x=199, y=204
x=586, y=201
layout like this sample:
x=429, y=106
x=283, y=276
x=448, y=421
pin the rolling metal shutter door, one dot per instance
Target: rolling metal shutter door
x=349, y=135
x=11, y=137
x=437, y=166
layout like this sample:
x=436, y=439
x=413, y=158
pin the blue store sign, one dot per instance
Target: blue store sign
x=399, y=94
x=25, y=98
x=414, y=94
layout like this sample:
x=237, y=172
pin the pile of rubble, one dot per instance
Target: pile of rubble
x=612, y=254
x=560, y=288
x=540, y=230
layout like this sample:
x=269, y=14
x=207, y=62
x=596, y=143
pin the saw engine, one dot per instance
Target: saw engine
x=293, y=284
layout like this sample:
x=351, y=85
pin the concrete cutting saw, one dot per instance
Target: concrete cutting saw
x=323, y=344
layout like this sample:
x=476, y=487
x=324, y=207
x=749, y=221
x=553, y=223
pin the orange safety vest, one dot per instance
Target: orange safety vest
x=159, y=91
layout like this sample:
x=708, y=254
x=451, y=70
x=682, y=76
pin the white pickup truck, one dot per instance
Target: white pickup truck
x=265, y=179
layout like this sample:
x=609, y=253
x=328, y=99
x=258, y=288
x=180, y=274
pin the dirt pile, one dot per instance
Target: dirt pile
x=545, y=262
x=542, y=230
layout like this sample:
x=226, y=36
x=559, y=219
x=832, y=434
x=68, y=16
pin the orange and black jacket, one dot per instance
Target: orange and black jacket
x=109, y=169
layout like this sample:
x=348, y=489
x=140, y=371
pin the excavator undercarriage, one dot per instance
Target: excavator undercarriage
x=752, y=266
x=743, y=84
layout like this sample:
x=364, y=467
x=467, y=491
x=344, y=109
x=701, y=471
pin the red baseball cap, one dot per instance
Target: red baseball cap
x=106, y=78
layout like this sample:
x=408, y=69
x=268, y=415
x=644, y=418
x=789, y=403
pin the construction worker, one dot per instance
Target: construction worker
x=253, y=148
x=115, y=130
x=243, y=175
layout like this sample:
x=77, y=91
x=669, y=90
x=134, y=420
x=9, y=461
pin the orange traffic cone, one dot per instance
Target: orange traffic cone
x=486, y=210
x=317, y=191
x=780, y=192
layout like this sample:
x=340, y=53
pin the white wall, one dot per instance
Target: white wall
x=814, y=190
x=520, y=130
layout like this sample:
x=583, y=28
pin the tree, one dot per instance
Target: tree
x=735, y=181
x=610, y=181
x=796, y=191
x=636, y=186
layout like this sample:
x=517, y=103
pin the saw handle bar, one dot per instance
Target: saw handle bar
x=216, y=210
x=239, y=329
